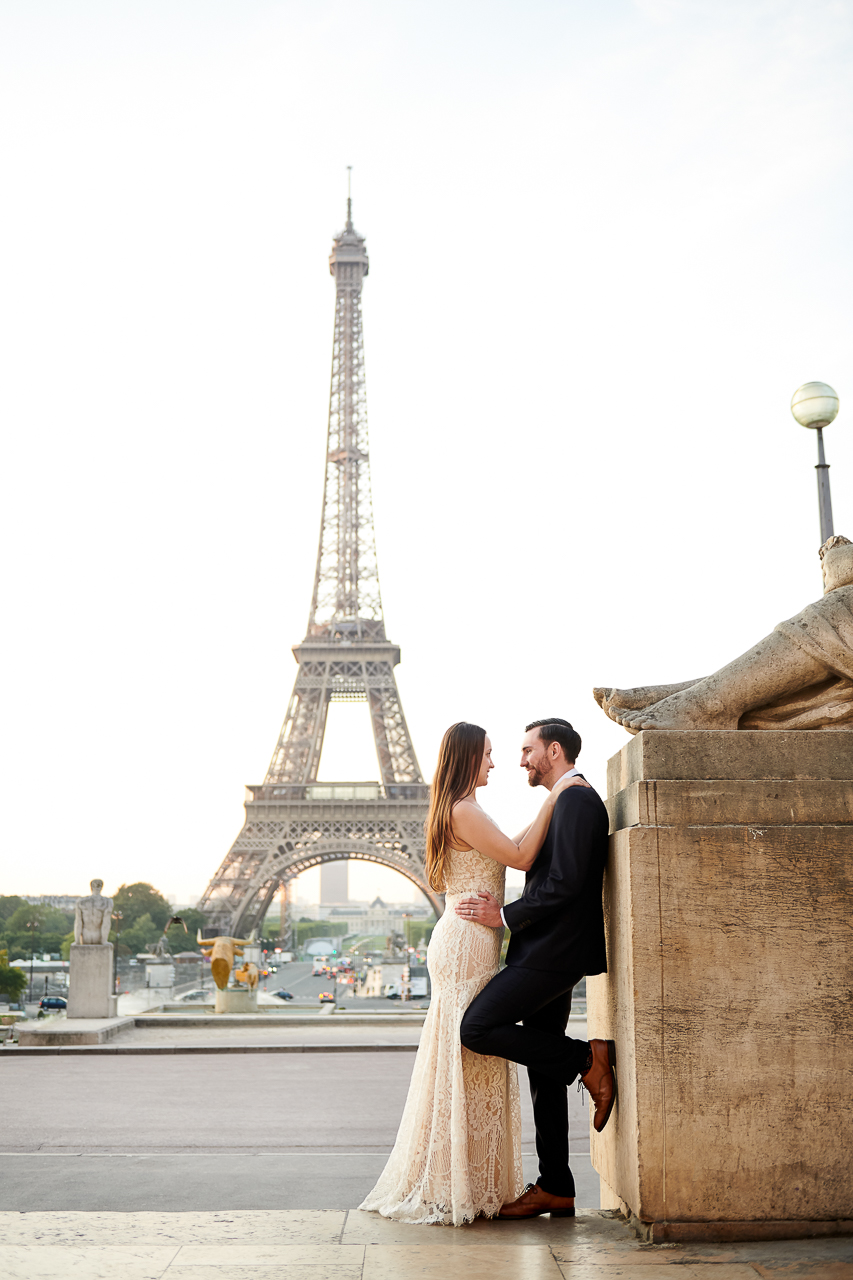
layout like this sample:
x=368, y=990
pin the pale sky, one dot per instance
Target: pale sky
x=607, y=243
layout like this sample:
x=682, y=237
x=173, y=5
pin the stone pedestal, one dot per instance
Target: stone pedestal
x=90, y=982
x=728, y=909
x=235, y=1000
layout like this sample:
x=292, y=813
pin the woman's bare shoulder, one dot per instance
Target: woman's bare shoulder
x=465, y=815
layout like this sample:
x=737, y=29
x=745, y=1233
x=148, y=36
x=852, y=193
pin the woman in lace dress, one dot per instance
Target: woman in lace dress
x=458, y=1148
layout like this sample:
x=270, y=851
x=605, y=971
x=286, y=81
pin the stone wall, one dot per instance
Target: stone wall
x=728, y=907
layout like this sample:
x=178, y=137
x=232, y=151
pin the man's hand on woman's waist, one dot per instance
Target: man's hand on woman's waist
x=482, y=909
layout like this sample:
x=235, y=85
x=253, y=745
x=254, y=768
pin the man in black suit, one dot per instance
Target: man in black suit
x=556, y=936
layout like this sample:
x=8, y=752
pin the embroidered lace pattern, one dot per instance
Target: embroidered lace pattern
x=458, y=1149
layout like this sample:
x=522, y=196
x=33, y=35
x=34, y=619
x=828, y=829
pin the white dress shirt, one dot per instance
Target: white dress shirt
x=570, y=773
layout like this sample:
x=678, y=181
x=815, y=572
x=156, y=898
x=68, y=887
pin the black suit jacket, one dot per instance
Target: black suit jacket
x=558, y=922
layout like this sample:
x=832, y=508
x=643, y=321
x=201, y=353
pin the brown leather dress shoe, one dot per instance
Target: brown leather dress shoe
x=533, y=1201
x=600, y=1081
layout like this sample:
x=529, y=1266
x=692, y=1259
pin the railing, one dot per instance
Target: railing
x=345, y=791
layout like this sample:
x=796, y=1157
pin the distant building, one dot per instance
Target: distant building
x=62, y=901
x=374, y=919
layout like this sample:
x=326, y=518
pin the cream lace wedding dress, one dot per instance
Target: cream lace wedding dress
x=458, y=1149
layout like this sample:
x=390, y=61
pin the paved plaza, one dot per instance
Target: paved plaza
x=200, y=1165
x=287, y=1130
x=335, y=1245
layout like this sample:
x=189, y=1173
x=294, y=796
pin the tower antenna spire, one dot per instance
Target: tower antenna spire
x=349, y=197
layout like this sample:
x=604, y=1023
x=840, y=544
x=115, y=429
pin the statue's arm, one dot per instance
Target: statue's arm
x=78, y=923
x=106, y=921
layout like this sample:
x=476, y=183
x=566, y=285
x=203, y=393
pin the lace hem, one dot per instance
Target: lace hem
x=457, y=1156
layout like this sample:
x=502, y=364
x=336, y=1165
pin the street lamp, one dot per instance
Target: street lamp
x=815, y=405
x=32, y=924
x=118, y=916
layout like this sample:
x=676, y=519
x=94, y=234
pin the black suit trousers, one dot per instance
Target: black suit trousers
x=541, y=1001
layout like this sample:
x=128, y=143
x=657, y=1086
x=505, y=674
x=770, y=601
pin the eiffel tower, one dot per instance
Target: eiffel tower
x=293, y=821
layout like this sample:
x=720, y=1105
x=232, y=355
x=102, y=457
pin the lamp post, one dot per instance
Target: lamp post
x=118, y=916
x=406, y=988
x=32, y=924
x=815, y=405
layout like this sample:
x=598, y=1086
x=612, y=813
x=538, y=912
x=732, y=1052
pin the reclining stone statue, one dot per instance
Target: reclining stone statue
x=798, y=677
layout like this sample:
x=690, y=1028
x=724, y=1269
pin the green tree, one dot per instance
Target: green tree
x=51, y=926
x=318, y=929
x=417, y=929
x=137, y=900
x=12, y=981
x=65, y=945
x=9, y=903
x=20, y=918
x=177, y=940
x=24, y=930
x=56, y=921
x=140, y=934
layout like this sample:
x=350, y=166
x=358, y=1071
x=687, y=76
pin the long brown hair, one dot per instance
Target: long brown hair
x=460, y=758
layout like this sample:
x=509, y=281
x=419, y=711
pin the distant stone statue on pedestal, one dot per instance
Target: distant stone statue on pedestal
x=90, y=972
x=93, y=917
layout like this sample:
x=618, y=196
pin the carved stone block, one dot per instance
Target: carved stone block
x=728, y=903
x=90, y=981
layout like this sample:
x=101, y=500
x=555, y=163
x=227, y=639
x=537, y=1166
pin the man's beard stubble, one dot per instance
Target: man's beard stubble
x=535, y=777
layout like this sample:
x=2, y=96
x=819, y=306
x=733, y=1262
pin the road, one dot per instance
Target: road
x=212, y=1131
x=296, y=978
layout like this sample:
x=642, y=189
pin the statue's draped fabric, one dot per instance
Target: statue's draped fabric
x=823, y=630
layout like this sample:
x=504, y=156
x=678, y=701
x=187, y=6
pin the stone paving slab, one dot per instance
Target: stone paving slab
x=311, y=1030
x=317, y=1245
x=77, y=1031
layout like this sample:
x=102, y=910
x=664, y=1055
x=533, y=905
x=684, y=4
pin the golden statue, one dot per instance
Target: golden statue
x=222, y=952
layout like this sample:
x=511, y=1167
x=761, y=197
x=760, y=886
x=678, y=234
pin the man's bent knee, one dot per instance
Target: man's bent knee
x=474, y=1032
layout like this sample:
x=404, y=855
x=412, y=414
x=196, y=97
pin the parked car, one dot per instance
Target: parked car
x=53, y=1002
x=283, y=995
x=326, y=997
x=198, y=994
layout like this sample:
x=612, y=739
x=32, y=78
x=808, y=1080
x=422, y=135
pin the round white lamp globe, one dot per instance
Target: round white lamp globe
x=814, y=404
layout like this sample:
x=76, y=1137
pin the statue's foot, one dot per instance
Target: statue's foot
x=678, y=711
x=636, y=699
x=630, y=699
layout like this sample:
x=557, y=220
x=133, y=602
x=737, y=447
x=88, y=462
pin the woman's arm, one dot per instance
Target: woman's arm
x=472, y=826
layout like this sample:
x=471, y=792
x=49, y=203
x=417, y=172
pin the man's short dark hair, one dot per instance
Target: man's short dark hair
x=559, y=731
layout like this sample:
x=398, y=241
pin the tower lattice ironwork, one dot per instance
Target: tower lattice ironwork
x=293, y=821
